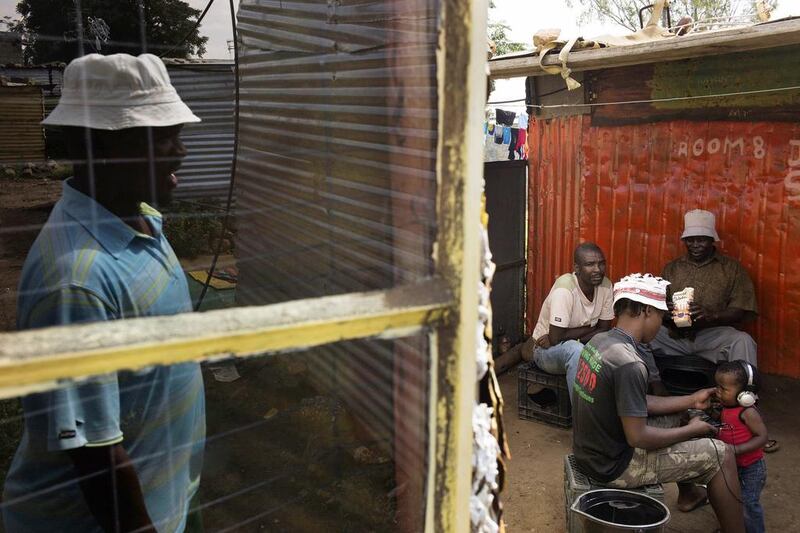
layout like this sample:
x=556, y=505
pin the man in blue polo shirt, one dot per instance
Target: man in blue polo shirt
x=123, y=451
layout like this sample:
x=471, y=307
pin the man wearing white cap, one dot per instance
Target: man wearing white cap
x=121, y=451
x=723, y=296
x=614, y=441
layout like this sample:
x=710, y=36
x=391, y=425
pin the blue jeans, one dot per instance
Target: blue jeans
x=752, y=479
x=560, y=359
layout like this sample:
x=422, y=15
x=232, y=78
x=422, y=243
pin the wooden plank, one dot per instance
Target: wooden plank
x=552, y=91
x=758, y=37
x=38, y=359
x=678, y=89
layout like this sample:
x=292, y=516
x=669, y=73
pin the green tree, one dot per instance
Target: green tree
x=498, y=32
x=626, y=12
x=54, y=30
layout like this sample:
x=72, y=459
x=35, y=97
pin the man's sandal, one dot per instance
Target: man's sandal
x=772, y=446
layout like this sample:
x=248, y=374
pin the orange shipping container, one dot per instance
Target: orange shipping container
x=627, y=187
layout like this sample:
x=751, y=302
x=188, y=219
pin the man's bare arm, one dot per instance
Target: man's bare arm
x=601, y=326
x=583, y=334
x=667, y=405
x=111, y=488
x=640, y=435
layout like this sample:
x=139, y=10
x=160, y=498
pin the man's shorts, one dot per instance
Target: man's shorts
x=696, y=460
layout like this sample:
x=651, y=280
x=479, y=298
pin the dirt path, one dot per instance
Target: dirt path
x=534, y=495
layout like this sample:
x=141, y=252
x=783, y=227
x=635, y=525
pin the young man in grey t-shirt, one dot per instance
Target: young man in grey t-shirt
x=612, y=440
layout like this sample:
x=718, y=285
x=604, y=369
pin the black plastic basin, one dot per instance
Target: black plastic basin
x=612, y=510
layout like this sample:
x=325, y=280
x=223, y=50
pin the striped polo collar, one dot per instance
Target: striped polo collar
x=108, y=229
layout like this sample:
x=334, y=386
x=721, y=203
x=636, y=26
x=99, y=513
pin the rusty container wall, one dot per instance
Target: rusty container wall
x=21, y=134
x=636, y=181
x=679, y=145
x=554, y=205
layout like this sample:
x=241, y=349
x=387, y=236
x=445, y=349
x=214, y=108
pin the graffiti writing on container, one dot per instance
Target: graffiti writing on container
x=725, y=145
x=792, y=180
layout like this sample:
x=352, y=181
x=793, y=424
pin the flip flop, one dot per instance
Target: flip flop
x=772, y=446
x=696, y=505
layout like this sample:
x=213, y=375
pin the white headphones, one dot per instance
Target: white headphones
x=748, y=396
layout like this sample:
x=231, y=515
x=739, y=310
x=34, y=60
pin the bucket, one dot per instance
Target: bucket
x=613, y=510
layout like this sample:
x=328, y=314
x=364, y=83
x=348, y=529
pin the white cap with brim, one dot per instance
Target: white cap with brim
x=646, y=289
x=699, y=223
x=116, y=92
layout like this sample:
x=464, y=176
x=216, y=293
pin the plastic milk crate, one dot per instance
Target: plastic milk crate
x=576, y=483
x=558, y=413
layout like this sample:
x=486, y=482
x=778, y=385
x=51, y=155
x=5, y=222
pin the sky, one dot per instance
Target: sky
x=524, y=17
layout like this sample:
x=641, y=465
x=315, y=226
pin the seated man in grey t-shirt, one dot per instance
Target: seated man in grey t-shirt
x=613, y=440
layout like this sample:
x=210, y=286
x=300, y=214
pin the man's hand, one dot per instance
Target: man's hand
x=702, y=399
x=700, y=313
x=543, y=341
x=701, y=428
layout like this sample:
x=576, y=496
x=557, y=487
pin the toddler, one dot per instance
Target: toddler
x=743, y=428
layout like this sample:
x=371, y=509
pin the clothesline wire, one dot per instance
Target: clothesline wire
x=654, y=100
x=506, y=101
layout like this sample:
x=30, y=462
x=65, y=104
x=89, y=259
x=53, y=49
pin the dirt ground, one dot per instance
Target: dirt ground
x=534, y=494
x=25, y=204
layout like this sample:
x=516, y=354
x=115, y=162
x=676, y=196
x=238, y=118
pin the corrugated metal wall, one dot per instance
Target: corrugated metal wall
x=335, y=190
x=627, y=187
x=554, y=205
x=338, y=112
x=208, y=89
x=21, y=135
x=48, y=79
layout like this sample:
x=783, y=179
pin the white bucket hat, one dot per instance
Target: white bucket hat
x=116, y=92
x=646, y=289
x=699, y=223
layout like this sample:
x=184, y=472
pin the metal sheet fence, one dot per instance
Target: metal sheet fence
x=335, y=190
x=337, y=142
x=208, y=91
x=627, y=188
x=21, y=135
